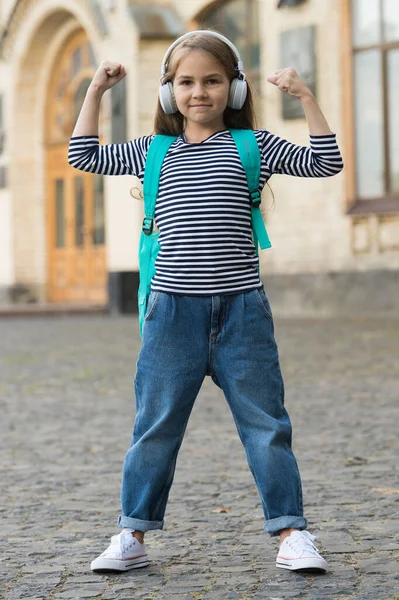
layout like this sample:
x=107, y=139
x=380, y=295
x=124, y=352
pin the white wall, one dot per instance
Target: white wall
x=6, y=254
x=6, y=225
x=6, y=7
x=308, y=226
x=123, y=213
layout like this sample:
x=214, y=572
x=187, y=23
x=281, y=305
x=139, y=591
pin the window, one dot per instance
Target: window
x=238, y=20
x=375, y=45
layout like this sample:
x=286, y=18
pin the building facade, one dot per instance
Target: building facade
x=68, y=237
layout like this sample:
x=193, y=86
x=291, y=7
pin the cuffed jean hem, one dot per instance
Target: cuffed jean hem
x=273, y=526
x=138, y=524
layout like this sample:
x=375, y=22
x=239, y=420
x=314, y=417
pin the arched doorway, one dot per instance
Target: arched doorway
x=75, y=216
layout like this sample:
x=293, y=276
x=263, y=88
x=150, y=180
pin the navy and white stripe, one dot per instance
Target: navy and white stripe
x=203, y=211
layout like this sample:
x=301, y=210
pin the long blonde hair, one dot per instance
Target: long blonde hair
x=218, y=50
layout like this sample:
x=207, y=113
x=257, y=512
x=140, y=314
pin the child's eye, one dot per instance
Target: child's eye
x=188, y=81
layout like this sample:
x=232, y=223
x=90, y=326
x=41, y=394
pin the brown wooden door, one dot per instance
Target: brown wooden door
x=77, y=270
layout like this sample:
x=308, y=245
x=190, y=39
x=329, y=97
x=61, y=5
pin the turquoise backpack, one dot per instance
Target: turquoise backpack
x=248, y=151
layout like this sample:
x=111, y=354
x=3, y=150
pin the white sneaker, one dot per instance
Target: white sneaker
x=124, y=553
x=298, y=552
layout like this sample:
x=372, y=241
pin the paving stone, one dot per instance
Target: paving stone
x=67, y=409
x=225, y=596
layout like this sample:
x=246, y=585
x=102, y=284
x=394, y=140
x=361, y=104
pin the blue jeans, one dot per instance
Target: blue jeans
x=230, y=338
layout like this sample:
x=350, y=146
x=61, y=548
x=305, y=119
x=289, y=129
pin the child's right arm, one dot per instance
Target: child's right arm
x=84, y=152
x=107, y=75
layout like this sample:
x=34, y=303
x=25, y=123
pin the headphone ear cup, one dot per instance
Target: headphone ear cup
x=238, y=93
x=167, y=98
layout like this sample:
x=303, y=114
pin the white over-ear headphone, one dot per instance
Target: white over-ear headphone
x=238, y=86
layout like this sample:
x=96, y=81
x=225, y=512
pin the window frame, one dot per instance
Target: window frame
x=388, y=202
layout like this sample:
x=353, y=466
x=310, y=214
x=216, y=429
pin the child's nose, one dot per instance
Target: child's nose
x=199, y=90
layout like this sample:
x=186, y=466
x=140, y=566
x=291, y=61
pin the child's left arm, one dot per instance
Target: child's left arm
x=323, y=158
x=288, y=81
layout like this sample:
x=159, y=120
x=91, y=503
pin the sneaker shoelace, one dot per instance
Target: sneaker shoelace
x=120, y=544
x=127, y=541
x=302, y=543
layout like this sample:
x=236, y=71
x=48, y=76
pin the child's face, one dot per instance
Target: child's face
x=201, y=89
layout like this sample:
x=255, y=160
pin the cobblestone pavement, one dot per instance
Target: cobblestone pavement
x=66, y=402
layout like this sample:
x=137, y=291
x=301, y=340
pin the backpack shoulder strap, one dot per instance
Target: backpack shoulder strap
x=153, y=164
x=248, y=150
x=249, y=153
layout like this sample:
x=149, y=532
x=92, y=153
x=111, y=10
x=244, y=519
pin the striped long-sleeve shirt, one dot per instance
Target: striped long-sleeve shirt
x=203, y=208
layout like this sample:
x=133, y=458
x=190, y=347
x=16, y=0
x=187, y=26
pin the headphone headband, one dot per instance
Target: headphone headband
x=238, y=85
x=206, y=32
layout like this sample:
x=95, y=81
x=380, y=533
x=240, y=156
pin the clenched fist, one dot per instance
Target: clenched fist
x=288, y=80
x=107, y=75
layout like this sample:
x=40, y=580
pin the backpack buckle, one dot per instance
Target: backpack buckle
x=148, y=225
x=255, y=198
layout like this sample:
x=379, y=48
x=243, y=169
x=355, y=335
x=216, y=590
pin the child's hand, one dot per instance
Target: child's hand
x=288, y=80
x=107, y=75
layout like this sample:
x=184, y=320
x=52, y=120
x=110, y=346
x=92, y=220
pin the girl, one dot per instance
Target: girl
x=207, y=313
